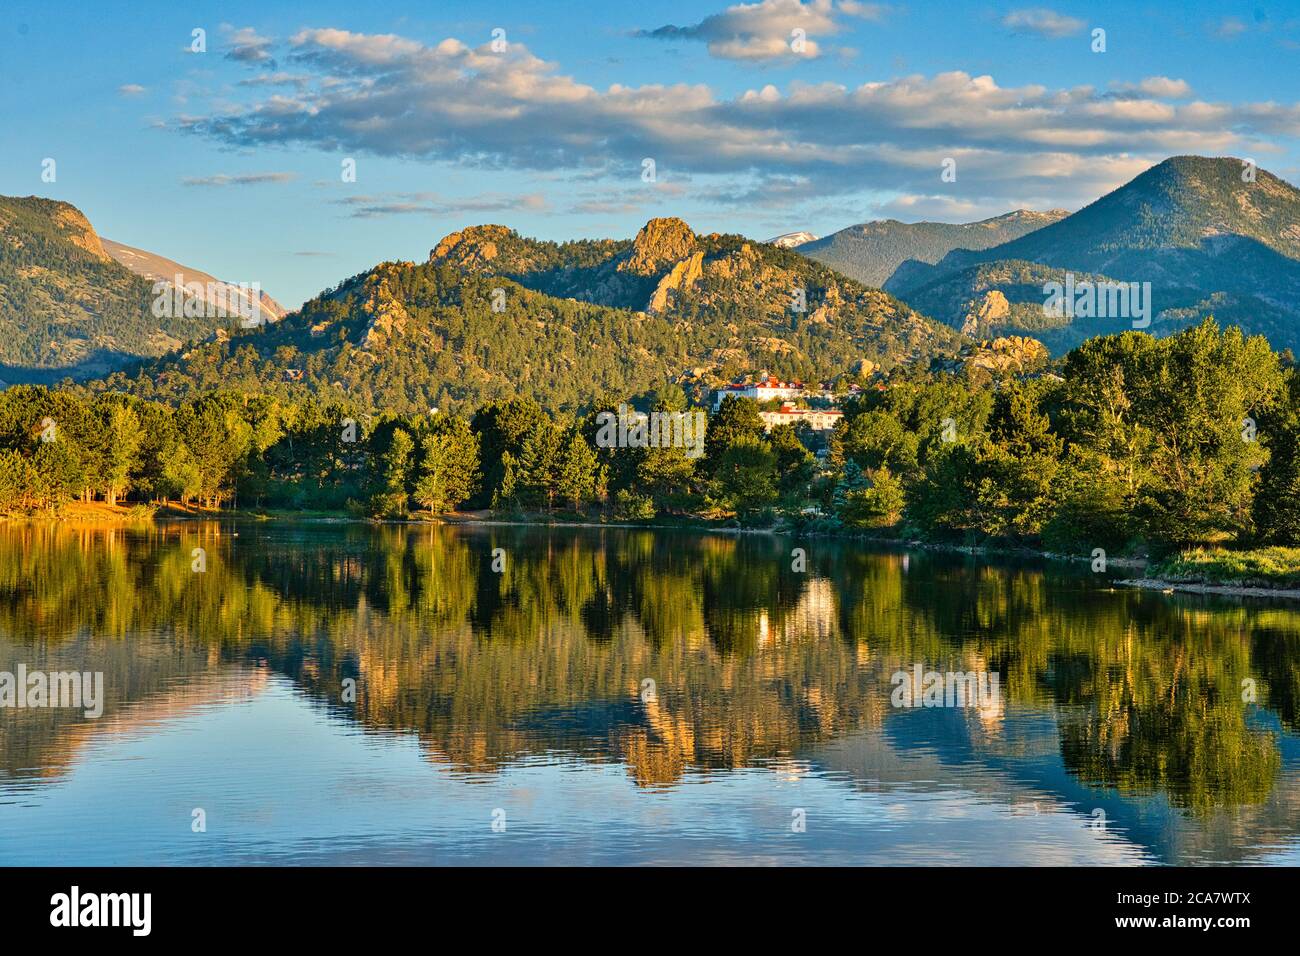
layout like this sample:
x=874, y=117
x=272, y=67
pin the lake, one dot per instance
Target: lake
x=293, y=693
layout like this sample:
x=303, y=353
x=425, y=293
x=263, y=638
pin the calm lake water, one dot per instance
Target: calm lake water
x=508, y=717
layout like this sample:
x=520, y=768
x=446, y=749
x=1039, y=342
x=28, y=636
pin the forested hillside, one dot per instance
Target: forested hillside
x=493, y=315
x=66, y=307
x=872, y=252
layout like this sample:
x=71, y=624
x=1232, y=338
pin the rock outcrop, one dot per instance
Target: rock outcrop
x=80, y=232
x=1010, y=355
x=984, y=311
x=659, y=244
x=472, y=247
x=388, y=317
x=681, y=276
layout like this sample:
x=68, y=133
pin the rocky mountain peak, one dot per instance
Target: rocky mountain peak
x=71, y=223
x=79, y=230
x=659, y=244
x=472, y=246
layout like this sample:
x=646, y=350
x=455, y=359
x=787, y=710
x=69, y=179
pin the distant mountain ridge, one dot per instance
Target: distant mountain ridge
x=492, y=313
x=872, y=251
x=792, y=240
x=66, y=307
x=156, y=268
x=1211, y=235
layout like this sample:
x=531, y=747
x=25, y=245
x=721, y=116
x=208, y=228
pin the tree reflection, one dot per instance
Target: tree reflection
x=751, y=660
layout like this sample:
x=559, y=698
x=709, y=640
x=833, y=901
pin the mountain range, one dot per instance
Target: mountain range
x=1213, y=236
x=871, y=252
x=492, y=313
x=156, y=268
x=791, y=240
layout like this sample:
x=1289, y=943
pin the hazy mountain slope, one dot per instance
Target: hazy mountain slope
x=1207, y=241
x=1005, y=298
x=1182, y=206
x=151, y=266
x=571, y=321
x=871, y=251
x=66, y=307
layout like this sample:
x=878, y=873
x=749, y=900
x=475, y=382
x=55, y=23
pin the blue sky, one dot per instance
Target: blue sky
x=230, y=160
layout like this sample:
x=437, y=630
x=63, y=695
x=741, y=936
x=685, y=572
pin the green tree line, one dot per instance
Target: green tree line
x=1130, y=442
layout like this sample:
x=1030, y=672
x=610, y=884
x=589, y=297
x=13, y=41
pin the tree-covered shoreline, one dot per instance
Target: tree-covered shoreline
x=1131, y=444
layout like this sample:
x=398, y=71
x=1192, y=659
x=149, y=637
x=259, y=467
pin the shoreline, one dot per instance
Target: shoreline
x=1199, y=587
x=101, y=515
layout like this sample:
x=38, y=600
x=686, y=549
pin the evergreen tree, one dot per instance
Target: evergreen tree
x=863, y=500
x=506, y=492
x=576, y=476
x=1276, y=509
x=503, y=427
x=539, y=464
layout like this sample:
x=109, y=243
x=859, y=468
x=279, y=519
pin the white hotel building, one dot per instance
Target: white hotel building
x=761, y=391
x=818, y=419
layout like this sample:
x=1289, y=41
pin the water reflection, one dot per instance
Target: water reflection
x=1131, y=725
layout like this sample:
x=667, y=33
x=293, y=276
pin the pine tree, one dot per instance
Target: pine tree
x=506, y=493
x=576, y=474
x=539, y=464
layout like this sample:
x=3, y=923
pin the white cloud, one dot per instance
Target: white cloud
x=1043, y=22
x=246, y=45
x=769, y=29
x=1229, y=27
x=391, y=96
x=281, y=78
x=1161, y=87
x=915, y=208
x=866, y=11
x=242, y=179
x=131, y=89
x=433, y=204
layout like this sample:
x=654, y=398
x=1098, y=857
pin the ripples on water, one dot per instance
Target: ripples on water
x=1120, y=734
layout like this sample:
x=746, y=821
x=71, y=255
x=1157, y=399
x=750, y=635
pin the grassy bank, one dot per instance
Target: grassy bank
x=101, y=513
x=94, y=512
x=1272, y=568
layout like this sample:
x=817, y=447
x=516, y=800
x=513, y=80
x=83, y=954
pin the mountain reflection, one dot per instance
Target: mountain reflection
x=1107, y=695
